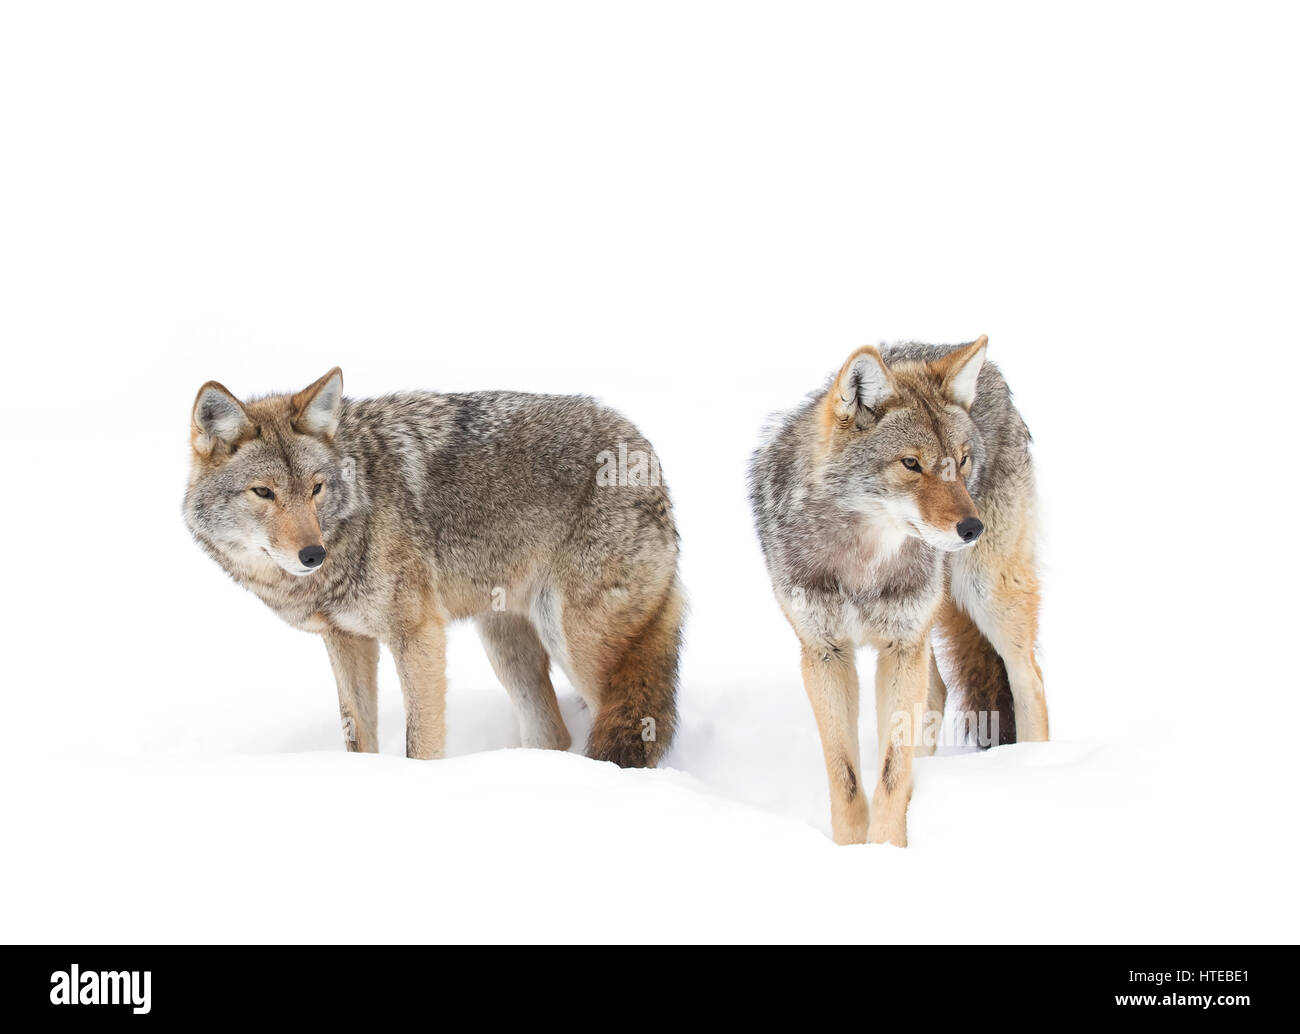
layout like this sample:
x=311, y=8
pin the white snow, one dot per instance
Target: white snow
x=695, y=212
x=180, y=776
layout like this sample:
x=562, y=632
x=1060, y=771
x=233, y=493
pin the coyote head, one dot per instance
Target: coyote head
x=900, y=444
x=266, y=480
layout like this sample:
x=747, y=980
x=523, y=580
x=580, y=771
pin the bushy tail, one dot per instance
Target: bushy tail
x=638, y=712
x=978, y=679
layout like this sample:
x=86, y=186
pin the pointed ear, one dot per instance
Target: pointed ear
x=960, y=370
x=218, y=417
x=863, y=383
x=317, y=407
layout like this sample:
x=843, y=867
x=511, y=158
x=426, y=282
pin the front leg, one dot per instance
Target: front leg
x=421, y=655
x=902, y=684
x=355, y=660
x=831, y=679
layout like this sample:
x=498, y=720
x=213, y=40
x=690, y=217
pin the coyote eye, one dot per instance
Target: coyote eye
x=964, y=461
x=262, y=493
x=319, y=486
x=911, y=463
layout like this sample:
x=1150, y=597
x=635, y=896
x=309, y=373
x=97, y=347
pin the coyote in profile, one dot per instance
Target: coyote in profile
x=897, y=502
x=382, y=520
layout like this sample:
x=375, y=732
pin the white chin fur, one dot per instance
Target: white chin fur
x=290, y=566
x=938, y=540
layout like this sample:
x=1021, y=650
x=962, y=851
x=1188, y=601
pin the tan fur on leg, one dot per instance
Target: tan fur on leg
x=421, y=656
x=1005, y=610
x=831, y=680
x=902, y=682
x=355, y=660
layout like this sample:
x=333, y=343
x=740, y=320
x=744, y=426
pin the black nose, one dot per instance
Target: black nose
x=970, y=528
x=313, y=555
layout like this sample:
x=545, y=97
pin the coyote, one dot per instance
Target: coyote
x=898, y=501
x=382, y=520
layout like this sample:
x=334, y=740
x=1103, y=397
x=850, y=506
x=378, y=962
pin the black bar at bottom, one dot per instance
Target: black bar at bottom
x=622, y=985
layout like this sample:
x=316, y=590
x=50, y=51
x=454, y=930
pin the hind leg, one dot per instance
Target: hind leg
x=622, y=652
x=521, y=663
x=1010, y=625
x=932, y=721
x=986, y=711
x=998, y=588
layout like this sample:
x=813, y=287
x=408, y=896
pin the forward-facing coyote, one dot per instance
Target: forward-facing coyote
x=897, y=502
x=382, y=520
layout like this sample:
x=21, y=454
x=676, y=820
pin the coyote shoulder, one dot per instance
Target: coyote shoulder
x=896, y=502
x=381, y=520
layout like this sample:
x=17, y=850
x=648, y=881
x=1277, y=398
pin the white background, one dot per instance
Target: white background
x=694, y=211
